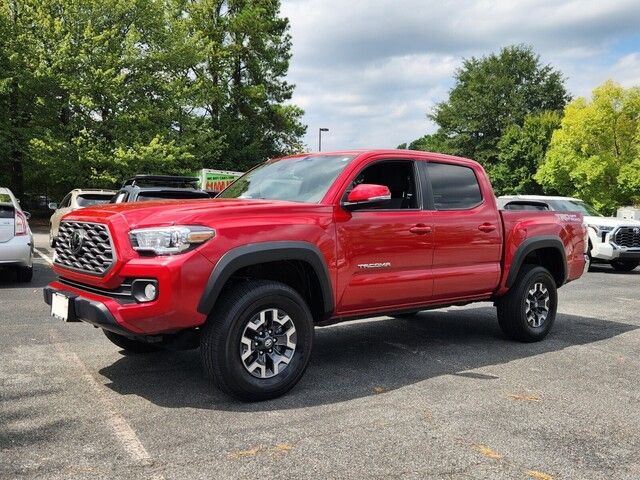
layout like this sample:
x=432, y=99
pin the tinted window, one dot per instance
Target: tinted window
x=454, y=187
x=300, y=179
x=170, y=195
x=6, y=210
x=88, y=199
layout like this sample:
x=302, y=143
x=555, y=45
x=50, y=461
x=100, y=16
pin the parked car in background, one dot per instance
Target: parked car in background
x=144, y=188
x=615, y=241
x=16, y=240
x=75, y=199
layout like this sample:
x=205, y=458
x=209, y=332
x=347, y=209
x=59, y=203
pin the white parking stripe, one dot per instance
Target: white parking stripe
x=45, y=257
x=122, y=430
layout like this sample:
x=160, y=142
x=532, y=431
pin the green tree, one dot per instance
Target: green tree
x=239, y=89
x=521, y=150
x=92, y=91
x=595, y=155
x=492, y=93
x=433, y=142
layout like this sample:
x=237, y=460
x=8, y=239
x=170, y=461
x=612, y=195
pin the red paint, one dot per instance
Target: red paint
x=420, y=257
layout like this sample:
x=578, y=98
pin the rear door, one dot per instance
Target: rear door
x=7, y=218
x=467, y=231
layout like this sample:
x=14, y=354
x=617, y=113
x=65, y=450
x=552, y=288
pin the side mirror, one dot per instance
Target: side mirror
x=53, y=206
x=27, y=215
x=367, y=195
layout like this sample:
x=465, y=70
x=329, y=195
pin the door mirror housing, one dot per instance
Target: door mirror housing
x=367, y=195
x=53, y=206
x=27, y=215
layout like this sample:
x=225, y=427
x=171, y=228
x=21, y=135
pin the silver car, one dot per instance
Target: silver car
x=16, y=239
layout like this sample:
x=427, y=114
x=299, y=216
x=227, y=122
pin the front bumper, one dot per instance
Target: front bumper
x=90, y=311
x=180, y=280
x=17, y=251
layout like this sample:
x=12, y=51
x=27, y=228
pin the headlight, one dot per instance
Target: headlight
x=601, y=229
x=169, y=240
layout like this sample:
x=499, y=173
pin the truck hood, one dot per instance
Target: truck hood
x=610, y=221
x=188, y=212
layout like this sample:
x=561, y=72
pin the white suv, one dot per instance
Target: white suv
x=611, y=240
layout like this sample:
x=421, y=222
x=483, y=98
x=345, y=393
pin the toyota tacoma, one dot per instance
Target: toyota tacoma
x=306, y=241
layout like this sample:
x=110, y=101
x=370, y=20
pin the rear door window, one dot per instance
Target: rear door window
x=454, y=187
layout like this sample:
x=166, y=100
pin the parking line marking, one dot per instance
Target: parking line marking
x=44, y=256
x=122, y=430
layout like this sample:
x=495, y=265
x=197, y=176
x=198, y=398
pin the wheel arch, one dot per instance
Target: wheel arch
x=546, y=251
x=299, y=264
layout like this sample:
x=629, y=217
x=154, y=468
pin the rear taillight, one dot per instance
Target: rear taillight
x=21, y=223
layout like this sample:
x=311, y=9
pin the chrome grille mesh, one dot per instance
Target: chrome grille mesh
x=628, y=237
x=93, y=254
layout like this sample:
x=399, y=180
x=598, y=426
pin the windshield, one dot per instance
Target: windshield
x=302, y=179
x=88, y=199
x=573, y=206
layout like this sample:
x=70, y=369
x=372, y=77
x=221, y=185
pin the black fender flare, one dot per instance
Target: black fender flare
x=256, y=253
x=530, y=245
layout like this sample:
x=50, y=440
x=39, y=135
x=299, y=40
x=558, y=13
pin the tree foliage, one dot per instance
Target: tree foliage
x=595, y=155
x=521, y=150
x=95, y=90
x=492, y=93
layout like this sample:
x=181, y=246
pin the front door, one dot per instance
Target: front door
x=385, y=254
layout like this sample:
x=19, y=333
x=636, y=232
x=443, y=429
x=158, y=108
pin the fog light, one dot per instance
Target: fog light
x=150, y=291
x=144, y=290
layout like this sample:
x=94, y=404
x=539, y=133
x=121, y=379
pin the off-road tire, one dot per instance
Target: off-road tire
x=221, y=336
x=512, y=308
x=129, y=345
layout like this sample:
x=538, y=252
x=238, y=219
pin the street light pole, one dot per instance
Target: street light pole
x=320, y=130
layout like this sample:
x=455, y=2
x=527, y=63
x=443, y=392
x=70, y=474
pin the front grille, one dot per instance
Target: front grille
x=628, y=237
x=85, y=247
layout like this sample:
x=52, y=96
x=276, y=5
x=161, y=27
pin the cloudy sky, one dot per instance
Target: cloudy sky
x=369, y=70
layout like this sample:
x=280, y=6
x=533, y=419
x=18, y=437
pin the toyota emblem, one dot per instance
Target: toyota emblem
x=636, y=230
x=77, y=241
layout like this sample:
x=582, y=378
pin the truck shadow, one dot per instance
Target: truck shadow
x=42, y=275
x=362, y=358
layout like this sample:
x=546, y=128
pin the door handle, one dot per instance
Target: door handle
x=486, y=227
x=420, y=229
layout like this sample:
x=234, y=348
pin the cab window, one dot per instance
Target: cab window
x=399, y=176
x=454, y=187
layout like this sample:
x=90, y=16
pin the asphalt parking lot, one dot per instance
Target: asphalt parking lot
x=440, y=395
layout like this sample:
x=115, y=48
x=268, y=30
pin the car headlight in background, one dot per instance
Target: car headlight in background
x=601, y=230
x=169, y=240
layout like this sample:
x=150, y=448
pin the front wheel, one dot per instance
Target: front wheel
x=527, y=312
x=257, y=343
x=622, y=266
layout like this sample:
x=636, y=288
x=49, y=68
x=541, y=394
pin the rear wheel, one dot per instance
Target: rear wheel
x=25, y=274
x=129, y=345
x=624, y=266
x=527, y=312
x=257, y=343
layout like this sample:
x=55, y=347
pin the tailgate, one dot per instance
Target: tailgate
x=7, y=221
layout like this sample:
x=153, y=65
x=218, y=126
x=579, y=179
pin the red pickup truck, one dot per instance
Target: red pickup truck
x=309, y=240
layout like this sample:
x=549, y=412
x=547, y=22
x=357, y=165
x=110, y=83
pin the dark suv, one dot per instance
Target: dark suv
x=144, y=188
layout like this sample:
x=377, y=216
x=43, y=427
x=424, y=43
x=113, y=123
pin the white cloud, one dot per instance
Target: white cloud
x=370, y=70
